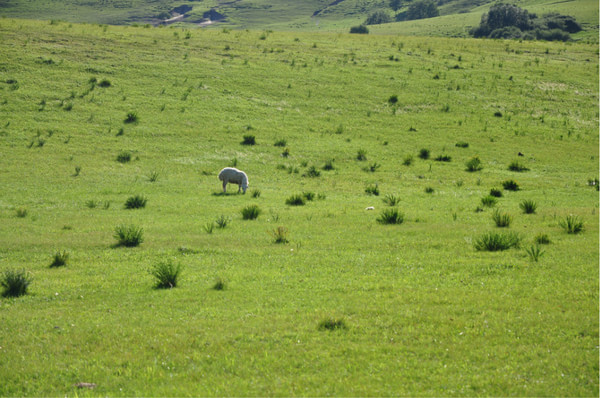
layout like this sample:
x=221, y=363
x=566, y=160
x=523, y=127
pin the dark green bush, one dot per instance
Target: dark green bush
x=166, y=275
x=129, y=235
x=250, y=212
x=15, y=283
x=391, y=216
x=135, y=202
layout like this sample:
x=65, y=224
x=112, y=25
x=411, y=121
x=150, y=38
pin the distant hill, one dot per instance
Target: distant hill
x=456, y=16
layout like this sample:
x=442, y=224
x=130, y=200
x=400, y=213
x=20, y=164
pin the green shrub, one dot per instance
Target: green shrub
x=391, y=216
x=332, y=324
x=494, y=241
x=222, y=221
x=60, y=259
x=129, y=235
x=165, y=274
x=15, y=283
x=534, y=252
x=528, y=206
x=250, y=212
x=488, y=201
x=515, y=165
x=502, y=220
x=572, y=224
x=510, y=185
x=123, y=157
x=295, y=200
x=424, y=154
x=249, y=139
x=474, y=164
x=361, y=29
x=135, y=202
x=131, y=117
x=279, y=235
x=495, y=193
x=391, y=200
x=372, y=190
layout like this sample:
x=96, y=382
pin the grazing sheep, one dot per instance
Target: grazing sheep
x=370, y=208
x=234, y=176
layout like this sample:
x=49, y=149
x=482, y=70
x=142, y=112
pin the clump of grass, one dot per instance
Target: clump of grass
x=21, y=212
x=285, y=153
x=165, y=274
x=462, y=144
x=361, y=155
x=408, y=160
x=542, y=239
x=309, y=196
x=132, y=117
x=135, y=202
x=222, y=221
x=474, y=164
x=15, y=283
x=528, y=206
x=424, y=154
x=501, y=219
x=534, y=252
x=295, y=200
x=280, y=143
x=515, y=165
x=332, y=324
x=104, y=83
x=391, y=216
x=124, y=157
x=328, y=165
x=129, y=235
x=372, y=190
x=250, y=212
x=279, y=235
x=91, y=204
x=393, y=99
x=256, y=193
x=372, y=167
x=219, y=284
x=153, y=177
x=312, y=172
x=572, y=224
x=494, y=241
x=209, y=227
x=488, y=201
x=510, y=185
x=429, y=190
x=60, y=259
x=249, y=139
x=77, y=171
x=443, y=158
x=496, y=193
x=391, y=200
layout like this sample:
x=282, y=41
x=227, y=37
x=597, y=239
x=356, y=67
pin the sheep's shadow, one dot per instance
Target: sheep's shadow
x=226, y=193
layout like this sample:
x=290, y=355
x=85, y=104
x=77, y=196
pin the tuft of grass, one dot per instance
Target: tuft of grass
x=312, y=172
x=391, y=216
x=488, y=201
x=328, y=165
x=408, y=160
x=372, y=167
x=249, y=139
x=361, y=155
x=153, y=177
x=443, y=158
x=372, y=190
x=495, y=193
x=309, y=196
x=510, y=185
x=429, y=190
x=393, y=99
x=60, y=259
x=279, y=235
x=124, y=157
x=222, y=221
x=21, y=212
x=495, y=241
x=473, y=164
x=295, y=200
x=424, y=154
x=391, y=200
x=131, y=117
x=129, y=235
x=104, y=83
x=502, y=220
x=135, y=202
x=165, y=274
x=461, y=144
x=528, y=206
x=15, y=283
x=256, y=193
x=542, y=239
x=209, y=227
x=534, y=252
x=572, y=224
x=285, y=153
x=332, y=324
x=219, y=284
x=250, y=212
x=280, y=143
x=515, y=165
x=91, y=204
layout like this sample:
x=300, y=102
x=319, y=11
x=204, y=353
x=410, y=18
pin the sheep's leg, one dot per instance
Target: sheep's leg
x=224, y=186
x=239, y=188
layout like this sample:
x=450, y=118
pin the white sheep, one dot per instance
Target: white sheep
x=234, y=176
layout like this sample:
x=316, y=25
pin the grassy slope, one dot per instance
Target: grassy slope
x=426, y=313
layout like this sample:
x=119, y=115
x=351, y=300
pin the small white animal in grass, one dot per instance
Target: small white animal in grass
x=234, y=176
x=370, y=208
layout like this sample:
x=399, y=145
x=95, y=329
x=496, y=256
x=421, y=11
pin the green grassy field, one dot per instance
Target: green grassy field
x=422, y=312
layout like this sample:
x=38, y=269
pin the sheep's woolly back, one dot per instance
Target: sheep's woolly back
x=234, y=176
